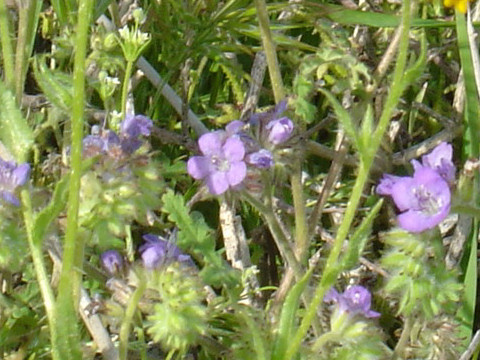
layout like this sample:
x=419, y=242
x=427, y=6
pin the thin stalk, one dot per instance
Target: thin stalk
x=126, y=80
x=41, y=272
x=331, y=267
x=270, y=52
x=7, y=48
x=398, y=353
x=70, y=277
x=301, y=228
x=279, y=236
x=127, y=320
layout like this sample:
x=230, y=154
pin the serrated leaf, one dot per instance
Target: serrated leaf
x=15, y=133
x=57, y=87
x=193, y=231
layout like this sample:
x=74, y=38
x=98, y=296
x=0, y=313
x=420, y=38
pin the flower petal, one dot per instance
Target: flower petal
x=21, y=173
x=211, y=143
x=198, y=167
x=217, y=182
x=236, y=173
x=234, y=149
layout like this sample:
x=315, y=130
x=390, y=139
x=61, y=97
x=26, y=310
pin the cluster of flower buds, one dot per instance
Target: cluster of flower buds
x=424, y=198
x=118, y=146
x=12, y=176
x=227, y=155
x=155, y=253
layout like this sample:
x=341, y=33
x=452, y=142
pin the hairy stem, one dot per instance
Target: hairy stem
x=270, y=52
x=70, y=276
x=331, y=268
x=7, y=48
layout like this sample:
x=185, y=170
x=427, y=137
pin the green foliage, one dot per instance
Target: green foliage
x=196, y=236
x=180, y=317
x=15, y=132
x=418, y=275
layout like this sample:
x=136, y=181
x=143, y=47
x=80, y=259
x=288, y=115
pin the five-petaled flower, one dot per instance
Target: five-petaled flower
x=222, y=165
x=11, y=177
x=156, y=252
x=356, y=300
x=460, y=5
x=423, y=199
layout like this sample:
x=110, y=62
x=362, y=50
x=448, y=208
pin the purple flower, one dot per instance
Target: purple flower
x=262, y=159
x=112, y=261
x=221, y=165
x=355, y=300
x=423, y=200
x=156, y=251
x=11, y=177
x=440, y=160
x=279, y=130
x=92, y=145
x=134, y=126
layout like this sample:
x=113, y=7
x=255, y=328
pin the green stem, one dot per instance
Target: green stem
x=279, y=236
x=331, y=267
x=126, y=80
x=41, y=273
x=127, y=320
x=301, y=228
x=270, y=52
x=7, y=49
x=70, y=277
x=402, y=342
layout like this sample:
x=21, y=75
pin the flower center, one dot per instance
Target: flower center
x=220, y=163
x=427, y=202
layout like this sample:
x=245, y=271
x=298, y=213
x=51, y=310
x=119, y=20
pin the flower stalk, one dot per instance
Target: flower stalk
x=270, y=52
x=70, y=276
x=366, y=160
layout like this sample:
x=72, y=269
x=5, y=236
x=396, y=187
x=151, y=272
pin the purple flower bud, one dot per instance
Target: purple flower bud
x=355, y=300
x=262, y=159
x=112, y=261
x=11, y=177
x=279, y=130
x=221, y=165
x=156, y=252
x=134, y=126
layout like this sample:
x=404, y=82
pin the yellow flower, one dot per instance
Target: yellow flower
x=460, y=5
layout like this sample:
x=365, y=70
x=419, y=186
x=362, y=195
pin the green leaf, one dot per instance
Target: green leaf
x=193, y=230
x=359, y=239
x=288, y=318
x=15, y=133
x=343, y=116
x=45, y=217
x=57, y=87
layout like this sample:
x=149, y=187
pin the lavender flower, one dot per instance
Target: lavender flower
x=222, y=164
x=355, y=300
x=279, y=130
x=11, y=177
x=440, y=160
x=262, y=159
x=423, y=200
x=112, y=261
x=134, y=126
x=156, y=251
